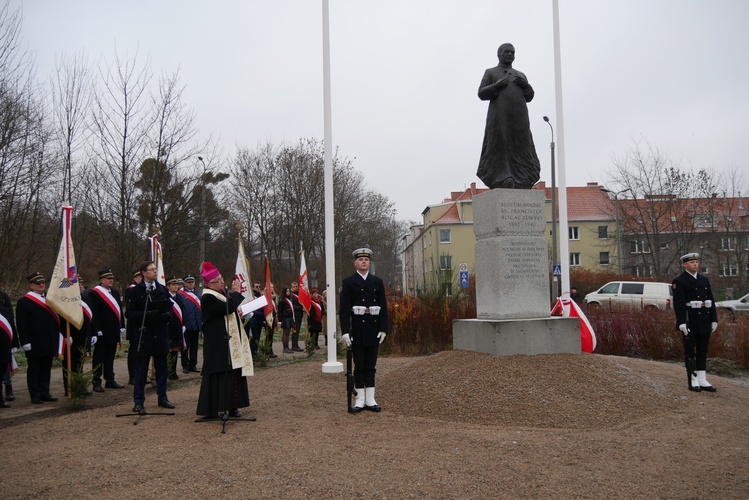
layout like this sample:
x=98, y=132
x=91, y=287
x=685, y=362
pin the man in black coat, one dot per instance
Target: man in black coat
x=8, y=343
x=131, y=329
x=364, y=323
x=148, y=307
x=39, y=335
x=696, y=317
x=108, y=324
x=192, y=319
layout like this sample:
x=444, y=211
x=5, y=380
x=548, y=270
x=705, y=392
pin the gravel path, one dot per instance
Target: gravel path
x=454, y=425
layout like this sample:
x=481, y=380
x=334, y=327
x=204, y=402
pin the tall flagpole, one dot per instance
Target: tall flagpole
x=564, y=247
x=332, y=365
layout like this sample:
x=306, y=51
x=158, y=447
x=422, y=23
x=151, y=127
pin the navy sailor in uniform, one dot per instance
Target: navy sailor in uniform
x=364, y=323
x=696, y=317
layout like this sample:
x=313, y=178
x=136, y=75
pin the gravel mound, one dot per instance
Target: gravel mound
x=546, y=391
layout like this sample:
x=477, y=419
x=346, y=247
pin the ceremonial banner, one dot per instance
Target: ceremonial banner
x=304, y=297
x=270, y=307
x=242, y=273
x=568, y=308
x=63, y=293
x=158, y=258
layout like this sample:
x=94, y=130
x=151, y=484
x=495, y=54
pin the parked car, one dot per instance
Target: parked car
x=640, y=294
x=728, y=309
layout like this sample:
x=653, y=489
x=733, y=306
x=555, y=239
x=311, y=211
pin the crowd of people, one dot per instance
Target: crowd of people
x=163, y=324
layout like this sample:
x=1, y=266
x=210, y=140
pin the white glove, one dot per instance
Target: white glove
x=26, y=347
x=381, y=336
x=346, y=339
x=684, y=329
x=184, y=329
x=713, y=326
x=99, y=334
x=14, y=350
x=93, y=340
x=69, y=340
x=122, y=330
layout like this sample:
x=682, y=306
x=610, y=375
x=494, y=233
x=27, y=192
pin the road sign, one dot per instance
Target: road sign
x=557, y=270
x=463, y=267
x=464, y=279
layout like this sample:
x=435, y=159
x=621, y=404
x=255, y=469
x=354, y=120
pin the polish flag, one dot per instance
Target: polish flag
x=568, y=308
x=304, y=296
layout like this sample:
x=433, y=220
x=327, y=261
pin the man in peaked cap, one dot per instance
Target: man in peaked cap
x=39, y=335
x=696, y=317
x=107, y=324
x=193, y=320
x=364, y=323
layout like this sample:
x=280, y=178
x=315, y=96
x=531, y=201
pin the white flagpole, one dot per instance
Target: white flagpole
x=332, y=365
x=564, y=247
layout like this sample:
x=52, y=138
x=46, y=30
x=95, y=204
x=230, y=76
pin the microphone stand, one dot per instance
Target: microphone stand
x=223, y=416
x=142, y=328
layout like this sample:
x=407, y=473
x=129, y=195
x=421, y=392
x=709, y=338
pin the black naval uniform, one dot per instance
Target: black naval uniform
x=109, y=322
x=688, y=289
x=7, y=343
x=39, y=326
x=356, y=291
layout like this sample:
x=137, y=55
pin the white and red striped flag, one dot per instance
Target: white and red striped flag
x=242, y=273
x=568, y=308
x=304, y=296
x=158, y=258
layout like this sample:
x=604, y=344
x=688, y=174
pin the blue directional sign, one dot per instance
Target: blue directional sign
x=463, y=279
x=557, y=270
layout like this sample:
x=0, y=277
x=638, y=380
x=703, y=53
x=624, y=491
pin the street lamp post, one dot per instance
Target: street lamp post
x=618, y=224
x=202, y=212
x=554, y=280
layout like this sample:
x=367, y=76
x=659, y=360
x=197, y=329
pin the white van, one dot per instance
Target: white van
x=643, y=295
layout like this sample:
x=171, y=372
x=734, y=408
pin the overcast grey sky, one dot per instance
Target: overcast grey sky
x=405, y=75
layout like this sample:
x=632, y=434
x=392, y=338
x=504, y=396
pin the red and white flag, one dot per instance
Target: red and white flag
x=158, y=258
x=242, y=273
x=304, y=297
x=63, y=294
x=568, y=308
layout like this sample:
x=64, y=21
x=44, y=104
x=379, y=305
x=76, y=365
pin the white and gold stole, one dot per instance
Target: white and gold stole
x=239, y=344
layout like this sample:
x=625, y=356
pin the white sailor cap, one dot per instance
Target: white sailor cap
x=690, y=256
x=362, y=252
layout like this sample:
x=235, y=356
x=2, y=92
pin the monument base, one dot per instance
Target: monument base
x=552, y=335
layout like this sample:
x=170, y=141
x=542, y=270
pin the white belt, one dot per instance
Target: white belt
x=698, y=304
x=360, y=310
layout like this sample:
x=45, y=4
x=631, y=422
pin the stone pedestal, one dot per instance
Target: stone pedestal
x=512, y=280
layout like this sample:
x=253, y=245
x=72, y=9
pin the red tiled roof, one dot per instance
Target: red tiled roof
x=584, y=202
x=450, y=216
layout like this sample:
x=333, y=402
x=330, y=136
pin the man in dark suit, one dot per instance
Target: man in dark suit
x=696, y=317
x=131, y=329
x=108, y=324
x=148, y=308
x=364, y=323
x=39, y=335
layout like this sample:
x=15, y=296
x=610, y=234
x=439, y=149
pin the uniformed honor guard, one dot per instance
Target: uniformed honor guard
x=39, y=335
x=364, y=323
x=176, y=325
x=696, y=317
x=108, y=324
x=192, y=317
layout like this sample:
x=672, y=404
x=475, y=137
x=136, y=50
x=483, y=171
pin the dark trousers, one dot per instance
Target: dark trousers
x=103, y=361
x=38, y=373
x=256, y=329
x=131, y=365
x=695, y=350
x=141, y=374
x=365, y=360
x=190, y=353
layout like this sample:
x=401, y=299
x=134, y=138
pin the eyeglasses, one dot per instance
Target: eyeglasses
x=151, y=269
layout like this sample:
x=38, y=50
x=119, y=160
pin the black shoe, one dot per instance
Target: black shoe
x=130, y=381
x=708, y=388
x=271, y=355
x=3, y=404
x=138, y=408
x=36, y=401
x=297, y=349
x=114, y=385
x=695, y=389
x=98, y=388
x=9, y=393
x=194, y=370
x=165, y=403
x=49, y=398
x=357, y=409
x=374, y=408
x=87, y=393
x=173, y=376
x=286, y=350
x=185, y=370
x=234, y=413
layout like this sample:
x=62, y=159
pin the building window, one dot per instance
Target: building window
x=447, y=289
x=663, y=246
x=729, y=270
x=604, y=258
x=673, y=218
x=574, y=233
x=639, y=246
x=446, y=262
x=444, y=236
x=727, y=244
x=603, y=232
x=705, y=270
x=574, y=259
x=703, y=221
